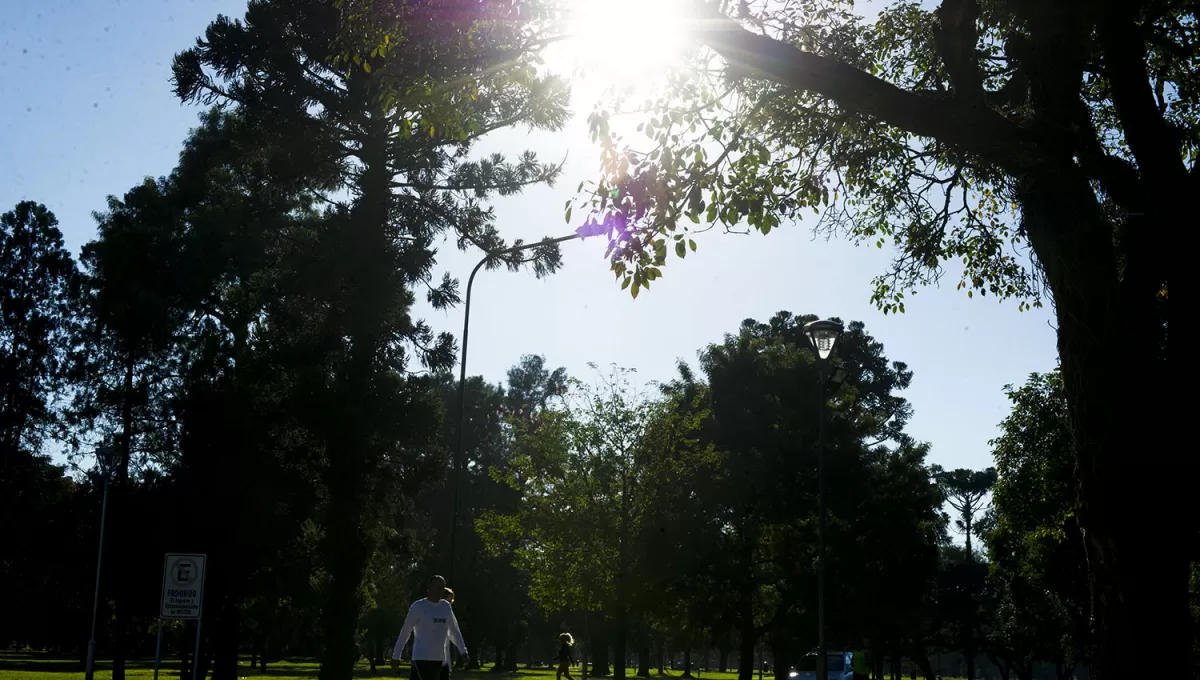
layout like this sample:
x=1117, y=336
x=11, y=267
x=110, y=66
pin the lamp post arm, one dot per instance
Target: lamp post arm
x=462, y=376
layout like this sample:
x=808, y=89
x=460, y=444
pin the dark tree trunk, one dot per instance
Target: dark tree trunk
x=262, y=660
x=781, y=652
x=643, y=662
x=619, y=640
x=499, y=665
x=687, y=662
x=600, y=665
x=746, y=647
x=921, y=658
x=225, y=642
x=1064, y=670
x=662, y=657
x=723, y=658
x=1137, y=604
x=347, y=565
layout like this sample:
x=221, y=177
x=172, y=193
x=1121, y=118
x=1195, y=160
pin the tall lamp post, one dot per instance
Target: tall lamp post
x=104, y=458
x=590, y=229
x=822, y=336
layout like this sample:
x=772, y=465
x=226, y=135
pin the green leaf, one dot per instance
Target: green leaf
x=680, y=249
x=692, y=245
x=633, y=290
x=569, y=214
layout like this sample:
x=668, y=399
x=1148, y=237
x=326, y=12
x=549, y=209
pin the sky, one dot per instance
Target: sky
x=86, y=111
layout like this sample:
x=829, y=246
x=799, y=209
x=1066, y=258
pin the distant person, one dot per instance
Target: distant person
x=445, y=675
x=432, y=625
x=858, y=662
x=565, y=658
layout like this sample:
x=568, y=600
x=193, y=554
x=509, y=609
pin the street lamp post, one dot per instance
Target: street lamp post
x=591, y=229
x=104, y=457
x=822, y=335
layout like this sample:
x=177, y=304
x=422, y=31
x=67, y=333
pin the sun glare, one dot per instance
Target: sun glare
x=620, y=43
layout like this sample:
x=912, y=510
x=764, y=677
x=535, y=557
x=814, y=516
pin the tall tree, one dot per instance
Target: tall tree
x=758, y=495
x=384, y=100
x=1034, y=547
x=966, y=491
x=37, y=277
x=981, y=131
x=578, y=470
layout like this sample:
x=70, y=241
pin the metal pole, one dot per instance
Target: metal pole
x=196, y=657
x=822, y=661
x=462, y=382
x=158, y=649
x=91, y=653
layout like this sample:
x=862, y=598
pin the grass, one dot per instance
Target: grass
x=34, y=666
x=31, y=666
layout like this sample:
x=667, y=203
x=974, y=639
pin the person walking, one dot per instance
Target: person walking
x=565, y=658
x=858, y=661
x=432, y=625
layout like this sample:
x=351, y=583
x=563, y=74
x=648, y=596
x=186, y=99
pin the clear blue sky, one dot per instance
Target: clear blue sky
x=86, y=111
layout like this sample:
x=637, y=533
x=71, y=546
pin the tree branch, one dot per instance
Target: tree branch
x=974, y=129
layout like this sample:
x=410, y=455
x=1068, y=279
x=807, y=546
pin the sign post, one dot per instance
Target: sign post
x=182, y=598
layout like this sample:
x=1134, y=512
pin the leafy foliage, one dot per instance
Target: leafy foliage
x=37, y=276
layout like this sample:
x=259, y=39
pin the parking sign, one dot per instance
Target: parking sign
x=183, y=586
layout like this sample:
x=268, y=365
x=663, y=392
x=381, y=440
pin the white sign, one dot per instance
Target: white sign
x=183, y=586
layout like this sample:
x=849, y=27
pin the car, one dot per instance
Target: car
x=839, y=667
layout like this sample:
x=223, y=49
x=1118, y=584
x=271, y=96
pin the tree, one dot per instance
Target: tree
x=123, y=369
x=390, y=125
x=1035, y=547
x=981, y=131
x=579, y=473
x=965, y=491
x=746, y=542
x=37, y=276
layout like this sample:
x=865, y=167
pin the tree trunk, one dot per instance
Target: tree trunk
x=262, y=660
x=746, y=647
x=921, y=658
x=723, y=658
x=687, y=662
x=782, y=654
x=499, y=665
x=347, y=557
x=662, y=657
x=620, y=631
x=600, y=666
x=969, y=659
x=1064, y=670
x=225, y=642
x=1137, y=604
x=643, y=662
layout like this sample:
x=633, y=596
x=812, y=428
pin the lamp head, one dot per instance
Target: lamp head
x=823, y=335
x=106, y=458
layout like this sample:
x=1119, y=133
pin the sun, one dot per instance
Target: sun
x=625, y=44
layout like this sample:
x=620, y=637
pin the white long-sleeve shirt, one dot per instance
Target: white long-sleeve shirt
x=433, y=627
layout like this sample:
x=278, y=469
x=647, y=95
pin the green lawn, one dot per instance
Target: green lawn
x=25, y=666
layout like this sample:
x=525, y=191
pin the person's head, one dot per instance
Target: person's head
x=449, y=595
x=566, y=639
x=436, y=588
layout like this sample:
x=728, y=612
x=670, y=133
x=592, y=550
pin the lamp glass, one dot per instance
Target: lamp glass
x=823, y=339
